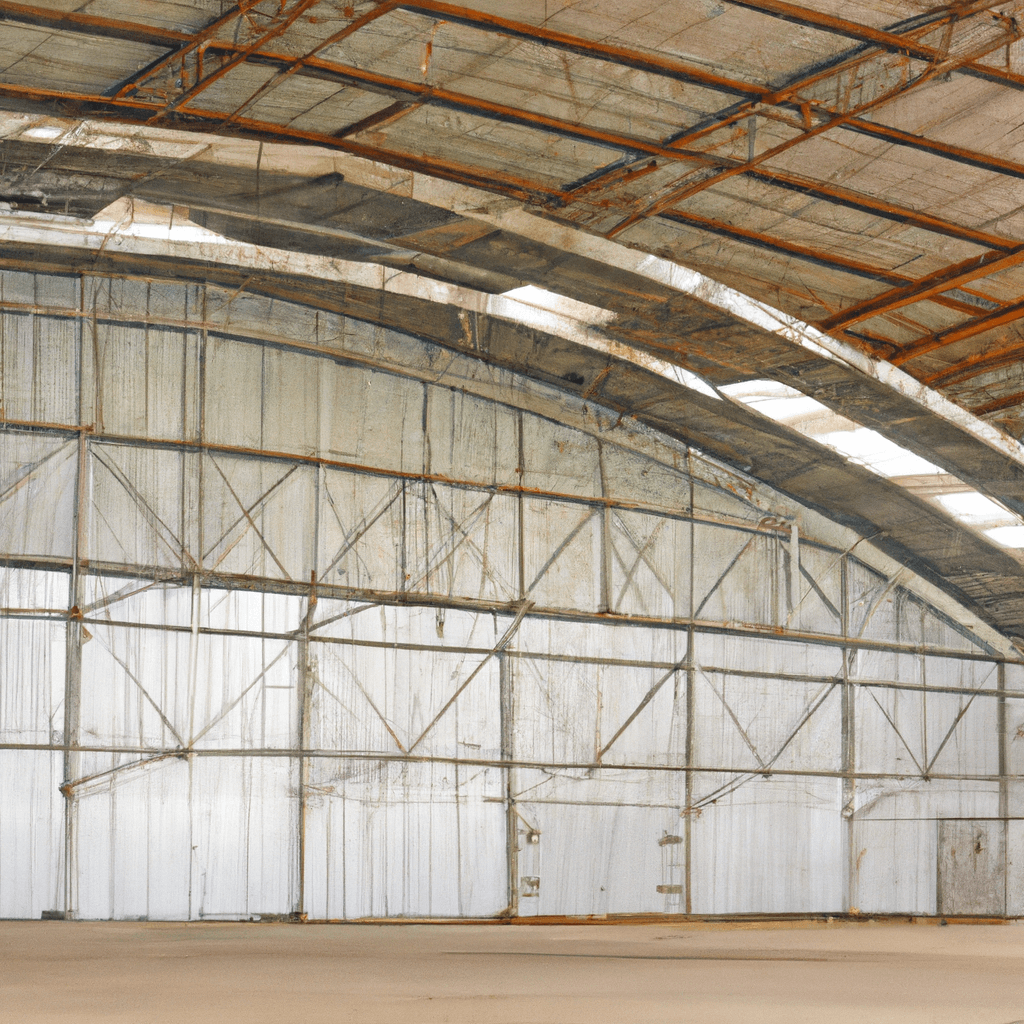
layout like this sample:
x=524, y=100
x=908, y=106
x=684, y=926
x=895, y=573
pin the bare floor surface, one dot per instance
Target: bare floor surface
x=152, y=973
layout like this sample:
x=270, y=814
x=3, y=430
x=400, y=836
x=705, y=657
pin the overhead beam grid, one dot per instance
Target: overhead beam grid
x=787, y=182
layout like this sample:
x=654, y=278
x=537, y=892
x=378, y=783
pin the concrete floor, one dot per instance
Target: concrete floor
x=865, y=972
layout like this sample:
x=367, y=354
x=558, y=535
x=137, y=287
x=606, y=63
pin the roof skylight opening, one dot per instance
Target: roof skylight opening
x=870, y=449
x=974, y=508
x=777, y=401
x=139, y=219
x=1007, y=536
x=866, y=447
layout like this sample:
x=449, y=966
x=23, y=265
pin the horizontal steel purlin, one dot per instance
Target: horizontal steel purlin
x=485, y=762
x=296, y=635
x=211, y=448
x=227, y=581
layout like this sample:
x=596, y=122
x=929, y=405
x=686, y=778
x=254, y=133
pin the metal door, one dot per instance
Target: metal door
x=972, y=867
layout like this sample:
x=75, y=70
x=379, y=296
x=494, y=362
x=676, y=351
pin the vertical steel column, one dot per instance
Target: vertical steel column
x=305, y=692
x=521, y=470
x=1004, y=782
x=848, y=753
x=73, y=646
x=1004, y=749
x=691, y=658
x=306, y=682
x=688, y=757
x=507, y=713
x=199, y=506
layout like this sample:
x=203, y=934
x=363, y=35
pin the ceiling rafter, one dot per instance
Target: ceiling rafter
x=864, y=203
x=892, y=39
x=975, y=365
x=78, y=104
x=971, y=329
x=998, y=404
x=180, y=53
x=280, y=23
x=762, y=94
x=108, y=28
x=834, y=120
x=410, y=95
x=419, y=93
x=840, y=64
x=819, y=257
x=925, y=288
x=669, y=67
x=425, y=93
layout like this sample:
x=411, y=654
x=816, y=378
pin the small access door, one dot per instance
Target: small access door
x=972, y=867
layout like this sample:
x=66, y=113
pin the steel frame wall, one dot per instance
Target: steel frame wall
x=387, y=680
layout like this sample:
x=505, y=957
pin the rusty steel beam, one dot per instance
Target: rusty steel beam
x=646, y=62
x=975, y=365
x=945, y=150
x=834, y=120
x=683, y=71
x=925, y=288
x=653, y=63
x=971, y=329
x=107, y=28
x=134, y=110
x=893, y=41
x=840, y=64
x=195, y=40
x=852, y=200
x=817, y=256
x=1006, y=402
x=419, y=93
x=280, y=24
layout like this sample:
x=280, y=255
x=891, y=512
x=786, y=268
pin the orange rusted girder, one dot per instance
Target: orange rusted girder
x=975, y=365
x=417, y=93
x=654, y=63
x=632, y=58
x=835, y=120
x=295, y=65
x=925, y=288
x=134, y=110
x=988, y=322
x=651, y=62
x=880, y=207
x=196, y=39
x=681, y=70
x=425, y=93
x=998, y=404
x=888, y=40
x=75, y=21
x=857, y=56
x=820, y=257
x=278, y=26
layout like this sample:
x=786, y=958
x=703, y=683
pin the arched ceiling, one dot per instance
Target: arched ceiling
x=852, y=168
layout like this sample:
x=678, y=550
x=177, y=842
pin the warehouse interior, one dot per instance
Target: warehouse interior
x=518, y=462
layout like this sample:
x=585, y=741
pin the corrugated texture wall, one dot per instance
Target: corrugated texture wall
x=299, y=615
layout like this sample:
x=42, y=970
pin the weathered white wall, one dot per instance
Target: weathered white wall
x=314, y=617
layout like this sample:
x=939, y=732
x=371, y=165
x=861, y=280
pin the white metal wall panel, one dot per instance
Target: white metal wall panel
x=404, y=840
x=31, y=833
x=894, y=866
x=351, y=653
x=36, y=472
x=784, y=839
